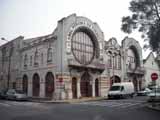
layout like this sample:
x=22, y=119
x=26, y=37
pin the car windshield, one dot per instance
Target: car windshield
x=19, y=91
x=11, y=91
x=115, y=88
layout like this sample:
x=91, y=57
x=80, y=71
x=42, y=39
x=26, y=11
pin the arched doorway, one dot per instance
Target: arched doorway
x=135, y=83
x=74, y=87
x=140, y=84
x=25, y=84
x=49, y=85
x=96, y=88
x=35, y=85
x=115, y=79
x=85, y=85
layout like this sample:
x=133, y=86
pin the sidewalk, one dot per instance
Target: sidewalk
x=69, y=101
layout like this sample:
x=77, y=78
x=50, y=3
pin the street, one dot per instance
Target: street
x=123, y=109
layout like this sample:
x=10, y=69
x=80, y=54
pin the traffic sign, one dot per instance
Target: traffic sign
x=154, y=76
x=60, y=80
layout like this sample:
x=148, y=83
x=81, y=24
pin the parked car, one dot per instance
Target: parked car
x=154, y=95
x=121, y=90
x=3, y=93
x=13, y=94
x=144, y=92
x=153, y=87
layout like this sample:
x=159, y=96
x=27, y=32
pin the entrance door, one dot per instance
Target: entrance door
x=36, y=85
x=96, y=88
x=115, y=79
x=25, y=84
x=135, y=83
x=86, y=87
x=49, y=85
x=74, y=88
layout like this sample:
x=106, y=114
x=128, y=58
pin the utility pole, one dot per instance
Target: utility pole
x=114, y=57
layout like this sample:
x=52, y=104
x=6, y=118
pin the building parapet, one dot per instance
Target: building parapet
x=138, y=70
x=94, y=65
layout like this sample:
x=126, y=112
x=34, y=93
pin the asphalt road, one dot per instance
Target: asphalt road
x=124, y=109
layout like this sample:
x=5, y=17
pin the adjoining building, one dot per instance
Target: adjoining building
x=125, y=63
x=114, y=60
x=74, y=61
x=133, y=62
x=151, y=66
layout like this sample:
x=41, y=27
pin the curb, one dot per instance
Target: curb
x=154, y=108
x=49, y=102
x=68, y=101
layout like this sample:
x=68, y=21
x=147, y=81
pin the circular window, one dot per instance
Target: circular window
x=82, y=47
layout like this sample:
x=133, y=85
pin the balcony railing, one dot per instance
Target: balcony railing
x=138, y=70
x=95, y=64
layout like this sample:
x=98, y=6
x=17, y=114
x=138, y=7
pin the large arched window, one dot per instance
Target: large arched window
x=83, y=47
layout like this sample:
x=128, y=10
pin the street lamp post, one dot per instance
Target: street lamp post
x=113, y=55
x=113, y=68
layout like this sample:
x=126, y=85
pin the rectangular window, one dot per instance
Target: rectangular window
x=25, y=61
x=131, y=59
x=42, y=58
x=115, y=62
x=110, y=62
x=30, y=60
x=119, y=62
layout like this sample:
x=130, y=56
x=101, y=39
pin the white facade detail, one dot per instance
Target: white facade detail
x=151, y=66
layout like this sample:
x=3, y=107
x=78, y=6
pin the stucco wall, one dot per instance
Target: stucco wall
x=151, y=66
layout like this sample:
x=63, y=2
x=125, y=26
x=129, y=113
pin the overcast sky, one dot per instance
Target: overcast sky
x=32, y=18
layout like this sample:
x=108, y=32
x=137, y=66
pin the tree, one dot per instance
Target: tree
x=145, y=17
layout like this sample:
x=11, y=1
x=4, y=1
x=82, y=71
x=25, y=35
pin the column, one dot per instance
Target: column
x=68, y=88
x=42, y=87
x=78, y=88
x=29, y=87
x=93, y=87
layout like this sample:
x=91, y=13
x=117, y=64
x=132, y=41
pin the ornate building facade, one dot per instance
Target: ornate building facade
x=65, y=64
x=151, y=66
x=72, y=62
x=125, y=63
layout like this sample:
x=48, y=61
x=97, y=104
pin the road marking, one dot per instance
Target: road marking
x=24, y=104
x=15, y=103
x=114, y=104
x=130, y=105
x=5, y=104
